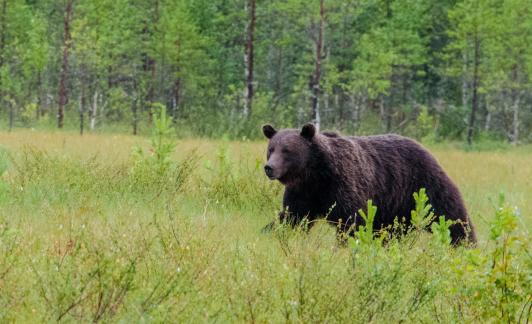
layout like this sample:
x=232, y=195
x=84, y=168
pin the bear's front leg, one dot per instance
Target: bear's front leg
x=282, y=218
x=288, y=218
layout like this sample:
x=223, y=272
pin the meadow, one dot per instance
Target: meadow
x=119, y=228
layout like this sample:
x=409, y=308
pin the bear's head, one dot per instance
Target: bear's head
x=288, y=152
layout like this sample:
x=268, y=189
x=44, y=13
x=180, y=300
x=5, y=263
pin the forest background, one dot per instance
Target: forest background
x=438, y=70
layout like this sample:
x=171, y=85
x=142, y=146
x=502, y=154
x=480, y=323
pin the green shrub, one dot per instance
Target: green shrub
x=155, y=171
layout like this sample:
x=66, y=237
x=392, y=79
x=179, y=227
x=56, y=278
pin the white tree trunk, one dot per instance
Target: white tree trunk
x=245, y=111
x=487, y=123
x=382, y=112
x=464, y=80
x=318, y=117
x=248, y=57
x=515, y=94
x=354, y=104
x=515, y=121
x=94, y=110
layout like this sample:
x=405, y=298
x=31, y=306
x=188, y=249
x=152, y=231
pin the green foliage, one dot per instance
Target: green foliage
x=365, y=233
x=381, y=60
x=82, y=240
x=162, y=146
x=228, y=122
x=101, y=288
x=156, y=169
x=505, y=278
x=440, y=231
x=499, y=277
x=422, y=216
x=424, y=127
x=391, y=47
x=232, y=184
x=452, y=122
x=505, y=220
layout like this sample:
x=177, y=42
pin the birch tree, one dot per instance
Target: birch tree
x=65, y=55
x=249, y=58
x=471, y=26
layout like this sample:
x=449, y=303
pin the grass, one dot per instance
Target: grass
x=95, y=228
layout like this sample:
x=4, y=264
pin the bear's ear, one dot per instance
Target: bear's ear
x=268, y=130
x=308, y=131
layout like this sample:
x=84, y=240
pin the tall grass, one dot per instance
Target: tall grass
x=111, y=231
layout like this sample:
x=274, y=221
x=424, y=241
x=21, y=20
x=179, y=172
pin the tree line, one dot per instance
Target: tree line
x=457, y=69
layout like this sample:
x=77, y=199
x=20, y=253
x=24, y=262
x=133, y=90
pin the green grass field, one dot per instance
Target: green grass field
x=96, y=228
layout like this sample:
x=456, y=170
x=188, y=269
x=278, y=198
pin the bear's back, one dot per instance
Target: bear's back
x=391, y=146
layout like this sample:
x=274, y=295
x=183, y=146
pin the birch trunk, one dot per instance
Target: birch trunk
x=314, y=83
x=63, y=91
x=515, y=106
x=176, y=100
x=11, y=115
x=474, y=103
x=382, y=112
x=355, y=110
x=249, y=59
x=3, y=25
x=81, y=109
x=487, y=123
x=134, y=108
x=515, y=120
x=94, y=110
x=464, y=80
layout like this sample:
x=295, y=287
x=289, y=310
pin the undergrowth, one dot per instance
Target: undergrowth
x=161, y=239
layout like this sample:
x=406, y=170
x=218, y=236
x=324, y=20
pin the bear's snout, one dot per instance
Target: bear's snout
x=269, y=171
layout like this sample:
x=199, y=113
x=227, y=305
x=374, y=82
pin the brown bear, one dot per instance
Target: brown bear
x=326, y=174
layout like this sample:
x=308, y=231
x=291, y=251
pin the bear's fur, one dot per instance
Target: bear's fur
x=326, y=174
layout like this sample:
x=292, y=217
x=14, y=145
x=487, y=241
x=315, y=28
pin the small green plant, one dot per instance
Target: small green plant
x=422, y=216
x=498, y=276
x=99, y=291
x=162, y=145
x=511, y=282
x=423, y=128
x=237, y=184
x=440, y=231
x=156, y=168
x=364, y=234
